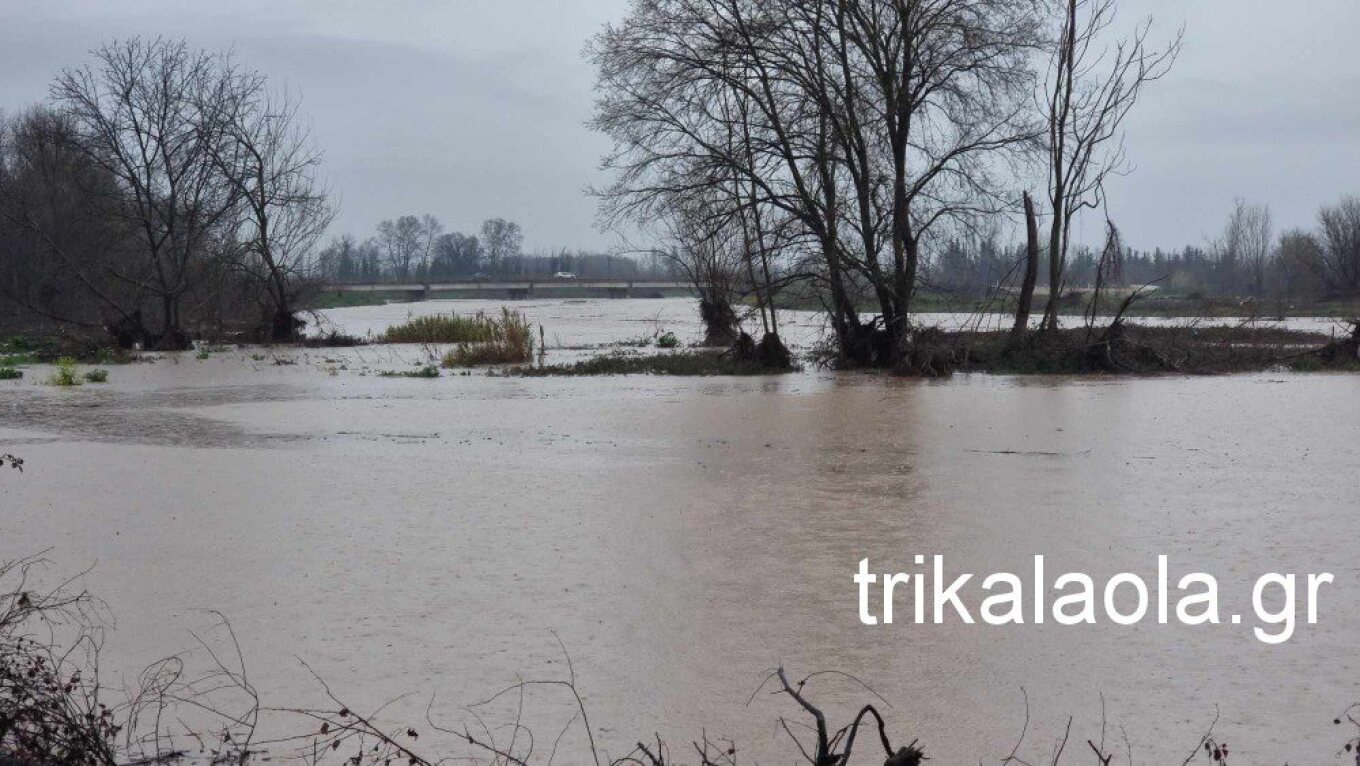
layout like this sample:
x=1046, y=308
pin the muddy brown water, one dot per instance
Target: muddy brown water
x=683, y=536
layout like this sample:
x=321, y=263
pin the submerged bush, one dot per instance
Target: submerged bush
x=9, y=373
x=443, y=328
x=97, y=376
x=510, y=341
x=65, y=374
x=334, y=339
x=669, y=340
x=428, y=371
x=689, y=363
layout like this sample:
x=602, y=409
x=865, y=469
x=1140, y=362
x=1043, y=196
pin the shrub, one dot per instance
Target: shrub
x=17, y=344
x=97, y=376
x=510, y=341
x=9, y=373
x=688, y=363
x=428, y=371
x=65, y=374
x=668, y=341
x=334, y=339
x=443, y=328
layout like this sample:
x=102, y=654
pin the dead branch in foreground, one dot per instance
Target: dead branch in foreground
x=56, y=709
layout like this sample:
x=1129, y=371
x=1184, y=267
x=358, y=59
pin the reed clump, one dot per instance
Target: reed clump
x=443, y=328
x=509, y=339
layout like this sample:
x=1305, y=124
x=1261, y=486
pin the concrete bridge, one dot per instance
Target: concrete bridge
x=517, y=288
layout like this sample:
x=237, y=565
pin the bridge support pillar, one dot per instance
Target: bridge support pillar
x=619, y=292
x=519, y=293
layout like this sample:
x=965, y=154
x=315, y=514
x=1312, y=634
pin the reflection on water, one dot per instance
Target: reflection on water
x=682, y=536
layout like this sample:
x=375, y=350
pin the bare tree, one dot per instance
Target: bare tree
x=456, y=254
x=861, y=126
x=136, y=115
x=502, y=243
x=709, y=250
x=1298, y=265
x=1258, y=246
x=1245, y=248
x=1091, y=88
x=401, y=242
x=430, y=229
x=1340, y=264
x=256, y=142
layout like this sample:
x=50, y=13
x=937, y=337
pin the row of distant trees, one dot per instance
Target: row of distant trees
x=158, y=191
x=417, y=248
x=1248, y=259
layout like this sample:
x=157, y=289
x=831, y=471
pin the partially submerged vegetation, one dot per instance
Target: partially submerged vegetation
x=333, y=339
x=443, y=328
x=697, y=363
x=1124, y=348
x=65, y=375
x=507, y=339
x=426, y=372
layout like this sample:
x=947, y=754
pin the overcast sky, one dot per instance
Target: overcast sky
x=469, y=109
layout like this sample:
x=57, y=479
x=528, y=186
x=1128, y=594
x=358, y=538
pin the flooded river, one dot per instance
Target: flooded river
x=683, y=536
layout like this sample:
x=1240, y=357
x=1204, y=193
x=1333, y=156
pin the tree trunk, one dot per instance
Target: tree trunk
x=172, y=338
x=1022, y=312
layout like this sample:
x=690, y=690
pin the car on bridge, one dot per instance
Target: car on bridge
x=566, y=276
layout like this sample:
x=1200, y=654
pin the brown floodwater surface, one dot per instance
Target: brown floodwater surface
x=683, y=536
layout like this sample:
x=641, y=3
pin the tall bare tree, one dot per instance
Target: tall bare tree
x=430, y=230
x=864, y=125
x=1257, y=243
x=1243, y=251
x=1340, y=264
x=1093, y=84
x=135, y=113
x=258, y=145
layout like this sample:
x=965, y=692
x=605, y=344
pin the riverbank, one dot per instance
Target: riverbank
x=660, y=337
x=1126, y=348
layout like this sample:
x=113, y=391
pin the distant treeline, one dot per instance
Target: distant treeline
x=417, y=248
x=1247, y=260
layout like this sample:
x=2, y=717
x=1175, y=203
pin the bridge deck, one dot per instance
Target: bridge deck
x=526, y=284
